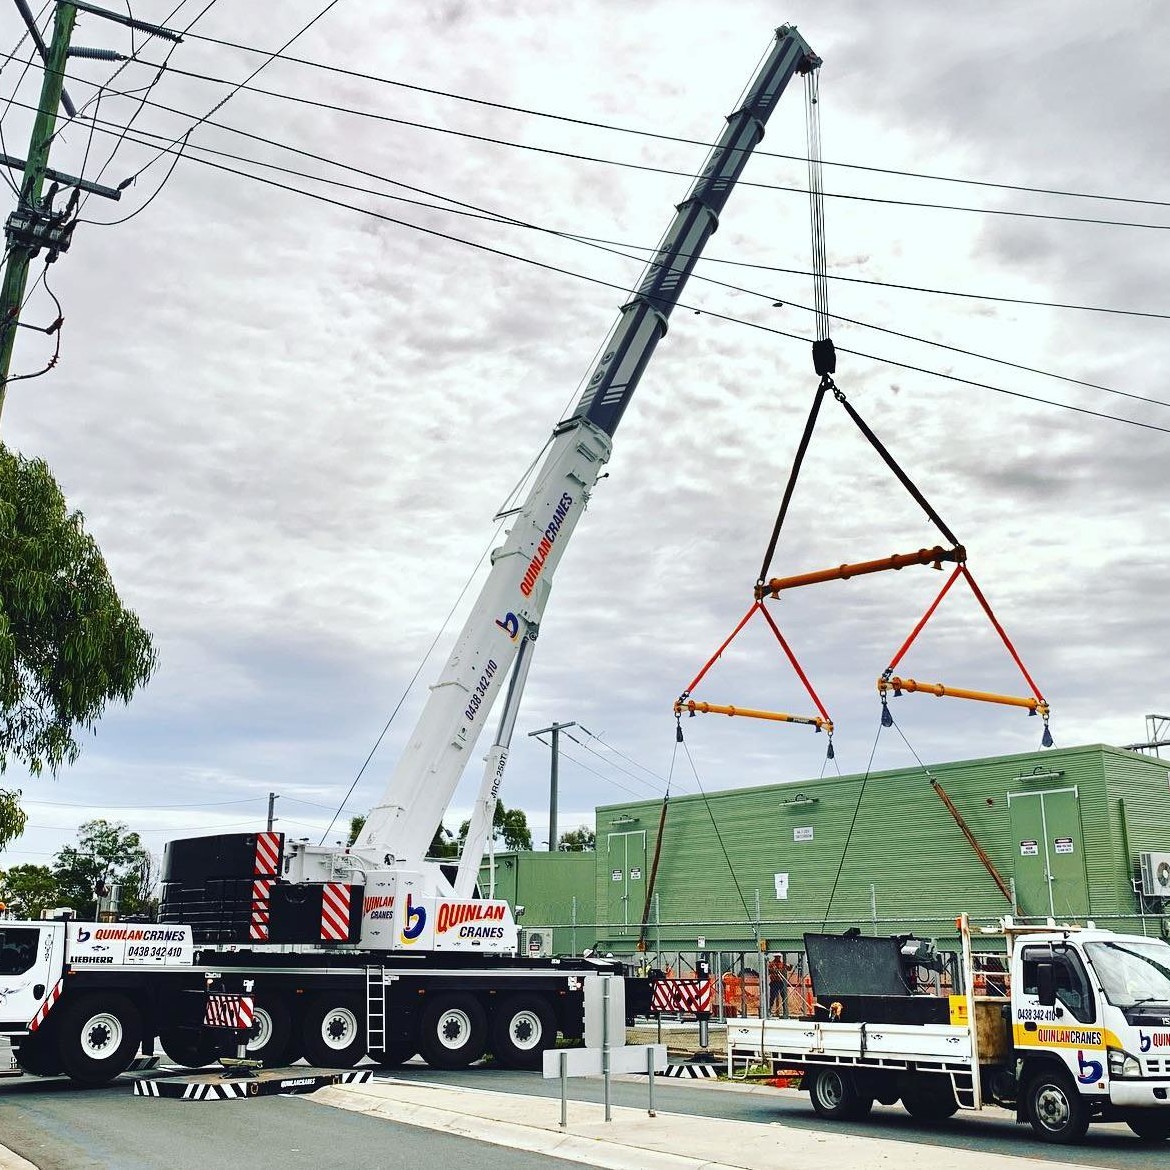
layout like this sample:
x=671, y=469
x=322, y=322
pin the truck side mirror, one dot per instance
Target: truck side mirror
x=1045, y=984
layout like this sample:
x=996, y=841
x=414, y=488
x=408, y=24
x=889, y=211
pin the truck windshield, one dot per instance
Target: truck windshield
x=1132, y=972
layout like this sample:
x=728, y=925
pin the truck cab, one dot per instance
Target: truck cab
x=1091, y=1021
x=30, y=962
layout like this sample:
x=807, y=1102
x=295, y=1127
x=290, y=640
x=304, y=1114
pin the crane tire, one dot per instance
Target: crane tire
x=454, y=1031
x=524, y=1027
x=98, y=1036
x=270, y=1037
x=333, y=1030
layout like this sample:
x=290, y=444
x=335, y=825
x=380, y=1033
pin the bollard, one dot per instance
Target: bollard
x=605, y=981
x=650, y=1081
x=564, y=1059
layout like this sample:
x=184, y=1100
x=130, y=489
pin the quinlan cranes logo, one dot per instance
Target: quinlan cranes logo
x=536, y=565
x=415, y=921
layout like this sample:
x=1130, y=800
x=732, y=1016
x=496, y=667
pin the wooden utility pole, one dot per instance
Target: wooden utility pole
x=32, y=226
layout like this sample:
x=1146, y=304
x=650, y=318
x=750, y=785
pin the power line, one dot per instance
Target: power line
x=497, y=217
x=759, y=152
x=711, y=313
x=593, y=771
x=609, y=763
x=646, y=167
x=137, y=807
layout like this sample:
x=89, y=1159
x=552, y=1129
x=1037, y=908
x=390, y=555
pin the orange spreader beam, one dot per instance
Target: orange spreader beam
x=924, y=556
x=695, y=708
x=895, y=684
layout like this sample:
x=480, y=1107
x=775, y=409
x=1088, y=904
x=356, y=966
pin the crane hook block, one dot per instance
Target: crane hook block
x=695, y=708
x=824, y=356
x=924, y=556
x=900, y=685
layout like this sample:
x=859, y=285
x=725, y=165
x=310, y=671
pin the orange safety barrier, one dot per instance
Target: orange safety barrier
x=924, y=556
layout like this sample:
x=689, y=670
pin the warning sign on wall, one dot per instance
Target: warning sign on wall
x=616, y=876
x=1029, y=848
x=1063, y=844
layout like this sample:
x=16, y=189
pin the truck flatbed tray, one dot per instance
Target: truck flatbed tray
x=216, y=1085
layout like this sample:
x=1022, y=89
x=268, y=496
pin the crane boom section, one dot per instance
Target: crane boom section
x=631, y=343
x=510, y=605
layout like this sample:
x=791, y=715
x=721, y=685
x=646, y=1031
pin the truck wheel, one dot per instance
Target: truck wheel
x=334, y=1031
x=930, y=1098
x=396, y=1054
x=453, y=1032
x=835, y=1095
x=523, y=1028
x=1056, y=1110
x=37, y=1056
x=97, y=1037
x=1151, y=1125
x=270, y=1037
x=190, y=1047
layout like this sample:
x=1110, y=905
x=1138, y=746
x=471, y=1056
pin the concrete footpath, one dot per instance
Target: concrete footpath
x=635, y=1141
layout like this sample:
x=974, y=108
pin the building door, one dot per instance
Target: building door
x=1049, y=853
x=627, y=879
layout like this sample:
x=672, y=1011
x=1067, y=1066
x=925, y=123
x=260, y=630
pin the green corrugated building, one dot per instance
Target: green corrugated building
x=1060, y=831
x=557, y=893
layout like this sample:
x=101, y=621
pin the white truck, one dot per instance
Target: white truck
x=376, y=949
x=1066, y=1025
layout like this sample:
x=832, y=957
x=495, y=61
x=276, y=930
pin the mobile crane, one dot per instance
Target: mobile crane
x=376, y=949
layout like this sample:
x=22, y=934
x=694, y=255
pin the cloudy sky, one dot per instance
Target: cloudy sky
x=289, y=418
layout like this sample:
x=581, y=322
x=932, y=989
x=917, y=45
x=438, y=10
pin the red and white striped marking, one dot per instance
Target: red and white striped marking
x=261, y=892
x=227, y=1010
x=682, y=995
x=335, y=912
x=43, y=1010
x=267, y=860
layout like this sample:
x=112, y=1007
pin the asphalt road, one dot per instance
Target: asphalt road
x=59, y=1127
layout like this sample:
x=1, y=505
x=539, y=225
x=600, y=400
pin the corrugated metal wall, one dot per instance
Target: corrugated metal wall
x=1063, y=828
x=908, y=864
x=555, y=889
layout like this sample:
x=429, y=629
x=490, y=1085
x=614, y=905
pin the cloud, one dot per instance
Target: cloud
x=290, y=423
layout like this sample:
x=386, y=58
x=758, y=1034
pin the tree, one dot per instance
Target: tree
x=28, y=889
x=105, y=852
x=580, y=840
x=443, y=843
x=508, y=824
x=12, y=817
x=67, y=644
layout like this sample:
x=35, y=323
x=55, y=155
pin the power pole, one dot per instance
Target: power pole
x=271, y=810
x=33, y=226
x=556, y=730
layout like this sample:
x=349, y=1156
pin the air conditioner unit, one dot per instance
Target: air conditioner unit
x=538, y=944
x=1155, y=874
